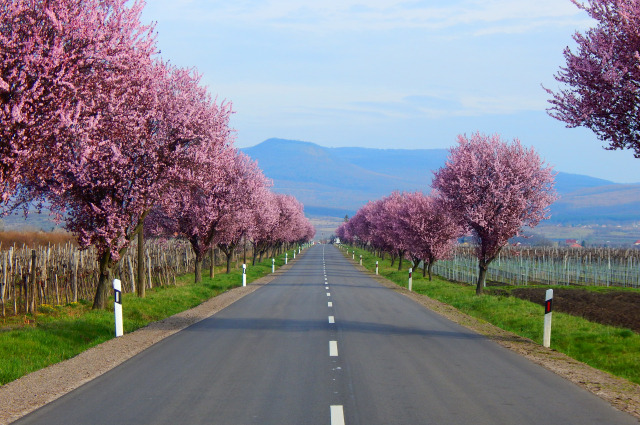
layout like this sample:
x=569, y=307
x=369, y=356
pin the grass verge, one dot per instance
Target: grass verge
x=611, y=349
x=60, y=332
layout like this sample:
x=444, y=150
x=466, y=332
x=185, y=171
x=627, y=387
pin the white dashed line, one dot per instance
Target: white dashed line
x=331, y=319
x=328, y=294
x=330, y=304
x=337, y=415
x=333, y=348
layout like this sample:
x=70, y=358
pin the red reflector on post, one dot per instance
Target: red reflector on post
x=548, y=306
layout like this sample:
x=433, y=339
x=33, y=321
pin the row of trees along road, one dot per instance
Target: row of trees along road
x=94, y=124
x=488, y=188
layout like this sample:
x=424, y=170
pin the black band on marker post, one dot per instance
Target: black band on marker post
x=548, y=305
x=118, y=296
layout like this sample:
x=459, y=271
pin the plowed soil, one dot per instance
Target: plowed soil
x=621, y=309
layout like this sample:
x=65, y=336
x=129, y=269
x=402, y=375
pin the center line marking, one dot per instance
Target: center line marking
x=328, y=294
x=331, y=319
x=330, y=304
x=333, y=348
x=337, y=415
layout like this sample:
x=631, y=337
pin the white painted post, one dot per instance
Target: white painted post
x=548, y=305
x=410, y=279
x=294, y=254
x=376, y=268
x=117, y=307
x=353, y=255
x=244, y=275
x=286, y=257
x=273, y=265
x=361, y=260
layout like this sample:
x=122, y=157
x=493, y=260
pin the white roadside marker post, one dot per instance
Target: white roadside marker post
x=273, y=265
x=548, y=306
x=294, y=254
x=286, y=257
x=361, y=260
x=410, y=278
x=376, y=268
x=353, y=255
x=244, y=275
x=117, y=307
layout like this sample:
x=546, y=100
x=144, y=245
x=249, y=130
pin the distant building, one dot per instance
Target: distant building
x=637, y=242
x=570, y=241
x=575, y=245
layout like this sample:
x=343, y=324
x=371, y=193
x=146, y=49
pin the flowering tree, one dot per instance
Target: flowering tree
x=194, y=205
x=139, y=141
x=244, y=195
x=494, y=188
x=54, y=55
x=429, y=229
x=604, y=76
x=264, y=219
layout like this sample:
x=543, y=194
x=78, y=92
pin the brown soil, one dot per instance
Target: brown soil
x=617, y=308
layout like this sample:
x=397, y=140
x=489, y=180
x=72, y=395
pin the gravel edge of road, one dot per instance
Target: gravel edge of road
x=622, y=394
x=30, y=392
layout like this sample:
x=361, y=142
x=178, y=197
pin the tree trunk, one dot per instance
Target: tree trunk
x=482, y=268
x=102, y=291
x=255, y=254
x=430, y=266
x=244, y=253
x=393, y=259
x=229, y=261
x=212, y=271
x=198, y=271
x=424, y=270
x=141, y=281
x=400, y=256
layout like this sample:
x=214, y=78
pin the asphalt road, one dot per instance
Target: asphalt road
x=274, y=357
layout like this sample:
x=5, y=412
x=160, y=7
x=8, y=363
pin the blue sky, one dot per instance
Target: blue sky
x=387, y=74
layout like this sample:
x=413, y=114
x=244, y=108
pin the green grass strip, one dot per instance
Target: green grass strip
x=611, y=349
x=62, y=332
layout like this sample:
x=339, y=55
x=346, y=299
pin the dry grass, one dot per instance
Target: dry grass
x=34, y=239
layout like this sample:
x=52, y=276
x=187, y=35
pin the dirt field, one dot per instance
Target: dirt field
x=619, y=308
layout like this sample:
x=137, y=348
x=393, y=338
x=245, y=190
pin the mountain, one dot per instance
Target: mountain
x=616, y=202
x=337, y=181
x=334, y=182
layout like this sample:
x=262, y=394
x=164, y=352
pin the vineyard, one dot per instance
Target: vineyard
x=62, y=274
x=549, y=266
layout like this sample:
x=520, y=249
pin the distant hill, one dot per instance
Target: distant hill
x=337, y=181
x=617, y=202
x=334, y=182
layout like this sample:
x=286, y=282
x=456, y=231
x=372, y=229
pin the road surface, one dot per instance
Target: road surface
x=325, y=344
